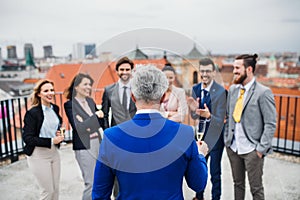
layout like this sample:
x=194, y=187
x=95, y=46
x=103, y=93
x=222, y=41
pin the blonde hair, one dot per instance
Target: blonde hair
x=35, y=99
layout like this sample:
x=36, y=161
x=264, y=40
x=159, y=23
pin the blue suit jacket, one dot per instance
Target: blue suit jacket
x=217, y=110
x=149, y=155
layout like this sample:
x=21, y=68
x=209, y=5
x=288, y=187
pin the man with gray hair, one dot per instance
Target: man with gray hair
x=149, y=155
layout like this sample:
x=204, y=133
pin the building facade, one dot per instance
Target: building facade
x=28, y=49
x=11, y=52
x=48, y=53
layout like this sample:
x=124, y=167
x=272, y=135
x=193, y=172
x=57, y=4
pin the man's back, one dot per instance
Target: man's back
x=149, y=155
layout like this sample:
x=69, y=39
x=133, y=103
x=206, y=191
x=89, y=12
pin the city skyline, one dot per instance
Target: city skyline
x=221, y=27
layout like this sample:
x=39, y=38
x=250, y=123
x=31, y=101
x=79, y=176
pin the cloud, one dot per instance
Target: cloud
x=291, y=20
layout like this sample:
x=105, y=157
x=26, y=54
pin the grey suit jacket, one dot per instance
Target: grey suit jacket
x=111, y=99
x=258, y=117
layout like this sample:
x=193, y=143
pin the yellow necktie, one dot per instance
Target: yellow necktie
x=237, y=113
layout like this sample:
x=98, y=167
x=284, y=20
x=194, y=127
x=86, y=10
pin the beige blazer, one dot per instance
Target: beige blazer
x=177, y=103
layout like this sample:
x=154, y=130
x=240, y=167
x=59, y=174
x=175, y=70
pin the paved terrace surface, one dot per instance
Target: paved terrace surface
x=281, y=179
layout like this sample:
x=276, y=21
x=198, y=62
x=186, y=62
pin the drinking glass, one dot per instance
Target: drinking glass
x=201, y=129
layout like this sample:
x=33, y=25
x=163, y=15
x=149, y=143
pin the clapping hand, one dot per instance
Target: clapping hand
x=193, y=104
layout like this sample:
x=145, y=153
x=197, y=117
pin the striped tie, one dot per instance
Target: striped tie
x=237, y=113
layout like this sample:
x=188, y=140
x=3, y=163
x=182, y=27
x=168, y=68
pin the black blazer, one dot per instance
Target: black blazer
x=82, y=130
x=33, y=122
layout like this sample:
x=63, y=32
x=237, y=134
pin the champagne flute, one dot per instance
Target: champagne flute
x=62, y=129
x=201, y=130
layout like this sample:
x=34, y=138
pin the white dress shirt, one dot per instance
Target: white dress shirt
x=207, y=89
x=128, y=91
x=50, y=123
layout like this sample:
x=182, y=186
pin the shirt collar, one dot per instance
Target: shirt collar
x=247, y=86
x=121, y=84
x=44, y=108
x=208, y=87
x=143, y=111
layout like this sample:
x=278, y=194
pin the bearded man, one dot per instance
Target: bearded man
x=250, y=127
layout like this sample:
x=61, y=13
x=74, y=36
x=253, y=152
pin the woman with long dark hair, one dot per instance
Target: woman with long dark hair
x=84, y=118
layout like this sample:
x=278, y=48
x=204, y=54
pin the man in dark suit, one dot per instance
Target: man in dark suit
x=149, y=154
x=118, y=96
x=208, y=102
x=250, y=127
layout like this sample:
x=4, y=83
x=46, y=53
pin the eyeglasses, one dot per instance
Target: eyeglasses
x=122, y=69
x=205, y=71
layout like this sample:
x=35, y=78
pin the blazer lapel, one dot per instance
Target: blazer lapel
x=234, y=98
x=212, y=91
x=91, y=105
x=40, y=115
x=249, y=95
x=115, y=95
x=79, y=110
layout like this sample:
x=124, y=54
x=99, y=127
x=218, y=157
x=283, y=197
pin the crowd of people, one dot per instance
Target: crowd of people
x=147, y=149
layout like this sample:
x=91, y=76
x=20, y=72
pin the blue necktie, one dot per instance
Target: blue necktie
x=205, y=99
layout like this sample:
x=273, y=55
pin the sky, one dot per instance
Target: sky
x=220, y=26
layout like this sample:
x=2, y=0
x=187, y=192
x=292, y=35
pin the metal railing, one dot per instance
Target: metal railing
x=287, y=135
x=12, y=111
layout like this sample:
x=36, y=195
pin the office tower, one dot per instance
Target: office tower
x=11, y=52
x=78, y=51
x=48, y=51
x=28, y=49
x=90, y=49
x=28, y=54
